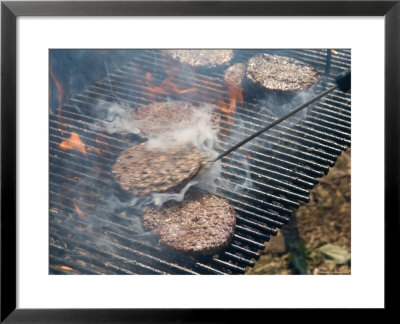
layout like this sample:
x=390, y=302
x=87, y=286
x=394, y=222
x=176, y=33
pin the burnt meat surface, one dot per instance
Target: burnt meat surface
x=141, y=170
x=202, y=58
x=201, y=224
x=280, y=73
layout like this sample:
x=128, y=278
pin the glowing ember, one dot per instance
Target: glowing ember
x=95, y=150
x=79, y=211
x=73, y=143
x=63, y=267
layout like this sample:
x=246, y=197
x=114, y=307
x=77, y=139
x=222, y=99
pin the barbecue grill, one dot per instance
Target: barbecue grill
x=95, y=228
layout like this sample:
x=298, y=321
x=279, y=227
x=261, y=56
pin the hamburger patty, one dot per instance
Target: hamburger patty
x=163, y=117
x=201, y=224
x=234, y=75
x=202, y=58
x=141, y=170
x=280, y=73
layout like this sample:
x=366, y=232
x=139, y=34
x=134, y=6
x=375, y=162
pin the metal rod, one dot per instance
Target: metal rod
x=328, y=61
x=262, y=130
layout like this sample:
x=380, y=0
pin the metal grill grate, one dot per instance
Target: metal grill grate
x=282, y=164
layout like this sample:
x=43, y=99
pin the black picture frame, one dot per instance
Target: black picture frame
x=10, y=10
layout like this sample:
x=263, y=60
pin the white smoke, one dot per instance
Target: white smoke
x=116, y=119
x=201, y=135
x=277, y=105
x=198, y=131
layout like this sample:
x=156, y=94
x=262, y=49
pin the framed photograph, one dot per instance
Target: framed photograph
x=177, y=138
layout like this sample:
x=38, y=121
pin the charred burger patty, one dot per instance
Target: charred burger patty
x=201, y=224
x=280, y=73
x=141, y=170
x=234, y=75
x=202, y=58
x=164, y=117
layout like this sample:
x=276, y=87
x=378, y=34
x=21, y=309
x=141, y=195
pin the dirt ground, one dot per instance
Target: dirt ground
x=317, y=240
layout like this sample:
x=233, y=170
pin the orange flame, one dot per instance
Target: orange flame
x=74, y=142
x=60, y=91
x=79, y=211
x=153, y=90
x=63, y=267
x=167, y=86
x=172, y=88
x=95, y=150
x=235, y=95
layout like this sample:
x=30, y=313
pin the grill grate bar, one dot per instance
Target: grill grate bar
x=330, y=118
x=82, y=269
x=344, y=130
x=278, y=147
x=248, y=241
x=262, y=218
x=267, y=187
x=307, y=165
x=324, y=107
x=107, y=181
x=315, y=57
x=106, y=224
x=267, y=205
x=133, y=265
x=90, y=99
x=307, y=127
x=59, y=265
x=269, y=156
x=122, y=250
x=145, y=101
x=91, y=192
x=238, y=259
x=230, y=266
x=249, y=231
x=159, y=71
x=245, y=251
x=105, y=85
x=199, y=76
x=303, y=193
x=256, y=225
x=209, y=269
x=249, y=152
x=279, y=150
x=129, y=241
x=264, y=210
x=90, y=142
x=126, y=96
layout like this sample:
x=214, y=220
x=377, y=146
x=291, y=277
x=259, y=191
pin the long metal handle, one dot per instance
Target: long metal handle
x=340, y=80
